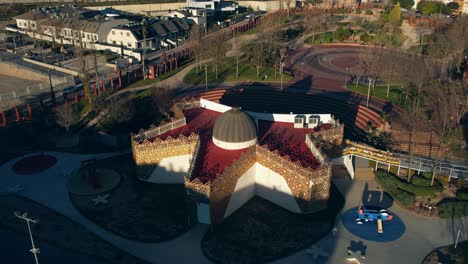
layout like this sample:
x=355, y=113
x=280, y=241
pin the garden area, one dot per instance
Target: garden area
x=227, y=73
x=139, y=210
x=444, y=198
x=261, y=231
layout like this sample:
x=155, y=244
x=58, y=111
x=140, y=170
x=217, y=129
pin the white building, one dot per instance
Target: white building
x=194, y=15
x=213, y=6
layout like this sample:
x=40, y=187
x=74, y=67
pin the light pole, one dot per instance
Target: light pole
x=25, y=217
x=206, y=78
x=282, y=69
x=302, y=70
x=346, y=77
x=368, y=92
x=456, y=240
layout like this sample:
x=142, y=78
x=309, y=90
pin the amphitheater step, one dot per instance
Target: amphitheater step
x=363, y=174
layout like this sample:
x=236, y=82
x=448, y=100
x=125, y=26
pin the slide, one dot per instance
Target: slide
x=379, y=225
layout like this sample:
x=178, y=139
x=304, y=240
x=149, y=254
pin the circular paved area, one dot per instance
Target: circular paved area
x=34, y=164
x=392, y=230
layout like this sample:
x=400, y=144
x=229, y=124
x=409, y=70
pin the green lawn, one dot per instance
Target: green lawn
x=381, y=92
x=403, y=191
x=227, y=73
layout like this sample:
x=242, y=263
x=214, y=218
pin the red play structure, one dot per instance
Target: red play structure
x=90, y=169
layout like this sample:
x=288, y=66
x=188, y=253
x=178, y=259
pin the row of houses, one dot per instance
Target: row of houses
x=103, y=31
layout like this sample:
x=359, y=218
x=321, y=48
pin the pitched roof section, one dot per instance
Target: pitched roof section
x=31, y=16
x=170, y=26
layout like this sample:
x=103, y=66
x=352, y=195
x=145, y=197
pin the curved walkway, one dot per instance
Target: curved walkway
x=423, y=234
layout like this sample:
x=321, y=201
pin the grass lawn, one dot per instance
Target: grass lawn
x=227, y=73
x=139, y=210
x=403, y=191
x=448, y=254
x=261, y=231
x=380, y=92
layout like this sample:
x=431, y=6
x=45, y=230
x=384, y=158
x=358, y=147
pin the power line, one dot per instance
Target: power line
x=25, y=217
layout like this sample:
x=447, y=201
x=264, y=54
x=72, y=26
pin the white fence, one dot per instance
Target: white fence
x=156, y=131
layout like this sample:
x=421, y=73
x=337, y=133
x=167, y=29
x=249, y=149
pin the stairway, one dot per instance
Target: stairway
x=363, y=174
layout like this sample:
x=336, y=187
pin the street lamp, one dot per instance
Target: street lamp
x=368, y=91
x=302, y=70
x=282, y=69
x=206, y=78
x=346, y=77
x=25, y=217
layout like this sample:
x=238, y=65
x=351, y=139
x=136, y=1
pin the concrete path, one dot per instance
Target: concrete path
x=422, y=234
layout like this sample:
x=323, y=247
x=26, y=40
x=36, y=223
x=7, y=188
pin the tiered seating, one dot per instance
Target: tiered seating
x=367, y=116
x=354, y=117
x=425, y=143
x=213, y=96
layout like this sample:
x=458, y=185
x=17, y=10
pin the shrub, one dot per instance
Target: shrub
x=462, y=195
x=404, y=197
x=453, y=208
x=369, y=12
x=421, y=181
x=427, y=175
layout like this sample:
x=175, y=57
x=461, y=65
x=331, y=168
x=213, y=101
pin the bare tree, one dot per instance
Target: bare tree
x=217, y=51
x=66, y=116
x=118, y=111
x=163, y=98
x=236, y=47
x=195, y=36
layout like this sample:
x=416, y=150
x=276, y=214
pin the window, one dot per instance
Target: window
x=128, y=34
x=113, y=42
x=129, y=44
x=89, y=37
x=121, y=34
x=113, y=32
x=95, y=37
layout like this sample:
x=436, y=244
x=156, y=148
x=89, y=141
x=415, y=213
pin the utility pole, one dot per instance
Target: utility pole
x=368, y=92
x=282, y=69
x=346, y=77
x=206, y=78
x=25, y=217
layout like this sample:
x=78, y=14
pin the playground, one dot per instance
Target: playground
x=93, y=181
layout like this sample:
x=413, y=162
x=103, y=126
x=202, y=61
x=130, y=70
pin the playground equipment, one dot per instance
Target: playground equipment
x=380, y=215
x=90, y=171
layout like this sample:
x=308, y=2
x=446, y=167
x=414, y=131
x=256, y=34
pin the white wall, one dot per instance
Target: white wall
x=122, y=37
x=171, y=170
x=273, y=187
x=287, y=118
x=234, y=145
x=348, y=162
x=244, y=190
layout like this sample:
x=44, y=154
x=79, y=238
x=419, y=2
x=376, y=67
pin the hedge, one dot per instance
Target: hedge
x=453, y=208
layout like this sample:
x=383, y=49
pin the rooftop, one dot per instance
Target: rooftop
x=212, y=160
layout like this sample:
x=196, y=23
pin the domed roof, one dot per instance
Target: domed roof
x=234, y=126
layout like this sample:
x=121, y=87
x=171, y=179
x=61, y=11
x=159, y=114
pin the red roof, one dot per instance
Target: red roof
x=212, y=160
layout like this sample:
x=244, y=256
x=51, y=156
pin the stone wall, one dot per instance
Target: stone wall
x=147, y=152
x=310, y=188
x=224, y=184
